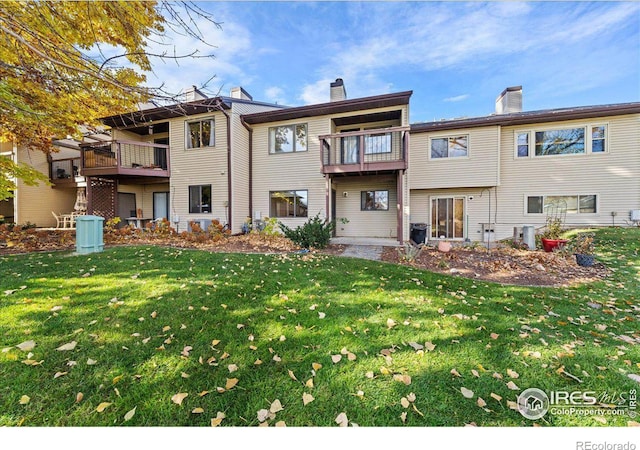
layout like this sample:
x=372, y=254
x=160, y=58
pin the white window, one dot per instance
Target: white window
x=200, y=198
x=200, y=133
x=374, y=200
x=561, y=141
x=289, y=203
x=598, y=139
x=288, y=138
x=575, y=204
x=449, y=147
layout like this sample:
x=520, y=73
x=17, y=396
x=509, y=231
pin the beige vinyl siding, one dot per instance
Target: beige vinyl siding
x=289, y=171
x=479, y=168
x=35, y=203
x=476, y=208
x=299, y=171
x=612, y=176
x=144, y=195
x=240, y=162
x=198, y=166
x=381, y=224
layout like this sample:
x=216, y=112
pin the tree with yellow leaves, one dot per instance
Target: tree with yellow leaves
x=55, y=73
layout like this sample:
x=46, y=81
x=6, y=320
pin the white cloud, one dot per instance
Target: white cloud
x=275, y=94
x=317, y=92
x=226, y=64
x=463, y=37
x=457, y=98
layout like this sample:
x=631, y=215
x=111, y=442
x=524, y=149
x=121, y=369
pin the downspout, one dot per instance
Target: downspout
x=229, y=190
x=250, y=130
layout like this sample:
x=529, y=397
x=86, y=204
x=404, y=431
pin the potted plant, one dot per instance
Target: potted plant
x=583, y=247
x=550, y=237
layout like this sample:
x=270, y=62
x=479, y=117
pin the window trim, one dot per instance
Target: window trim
x=449, y=136
x=590, y=128
x=200, y=121
x=362, y=197
x=294, y=206
x=294, y=126
x=588, y=140
x=577, y=213
x=200, y=199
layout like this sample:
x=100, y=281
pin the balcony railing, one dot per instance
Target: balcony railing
x=381, y=149
x=64, y=171
x=125, y=158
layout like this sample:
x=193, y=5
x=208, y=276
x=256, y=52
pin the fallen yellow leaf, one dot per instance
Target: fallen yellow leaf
x=128, y=416
x=231, y=382
x=307, y=398
x=342, y=420
x=276, y=406
x=197, y=410
x=26, y=346
x=70, y=346
x=102, y=406
x=466, y=392
x=179, y=397
x=25, y=399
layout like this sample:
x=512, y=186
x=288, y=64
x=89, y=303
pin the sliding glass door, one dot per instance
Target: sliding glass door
x=447, y=217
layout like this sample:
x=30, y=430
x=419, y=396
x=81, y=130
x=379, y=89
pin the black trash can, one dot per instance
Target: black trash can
x=419, y=233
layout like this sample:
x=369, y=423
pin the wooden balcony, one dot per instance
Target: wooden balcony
x=370, y=151
x=65, y=172
x=126, y=159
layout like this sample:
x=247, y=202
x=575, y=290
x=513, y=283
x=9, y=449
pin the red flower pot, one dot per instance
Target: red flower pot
x=550, y=244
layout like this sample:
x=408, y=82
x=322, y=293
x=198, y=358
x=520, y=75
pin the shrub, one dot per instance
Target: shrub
x=313, y=233
x=268, y=227
x=409, y=252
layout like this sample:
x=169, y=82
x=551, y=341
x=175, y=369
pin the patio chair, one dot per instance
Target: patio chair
x=61, y=220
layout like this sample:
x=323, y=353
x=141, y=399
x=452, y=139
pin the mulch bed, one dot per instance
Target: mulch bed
x=504, y=265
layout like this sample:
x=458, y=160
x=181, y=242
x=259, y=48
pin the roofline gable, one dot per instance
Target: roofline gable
x=530, y=117
x=336, y=107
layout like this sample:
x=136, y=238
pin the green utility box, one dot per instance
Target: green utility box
x=89, y=234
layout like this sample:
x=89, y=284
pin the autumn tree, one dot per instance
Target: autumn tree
x=63, y=64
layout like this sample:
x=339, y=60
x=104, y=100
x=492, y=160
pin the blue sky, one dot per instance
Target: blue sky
x=456, y=57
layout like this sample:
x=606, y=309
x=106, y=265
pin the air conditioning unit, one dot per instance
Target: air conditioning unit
x=634, y=215
x=204, y=224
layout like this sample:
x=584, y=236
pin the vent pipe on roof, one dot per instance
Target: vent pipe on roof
x=338, y=92
x=509, y=101
x=240, y=93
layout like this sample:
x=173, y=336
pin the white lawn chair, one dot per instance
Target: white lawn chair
x=61, y=219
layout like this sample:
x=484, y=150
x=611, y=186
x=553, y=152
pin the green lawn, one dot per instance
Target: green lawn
x=236, y=332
